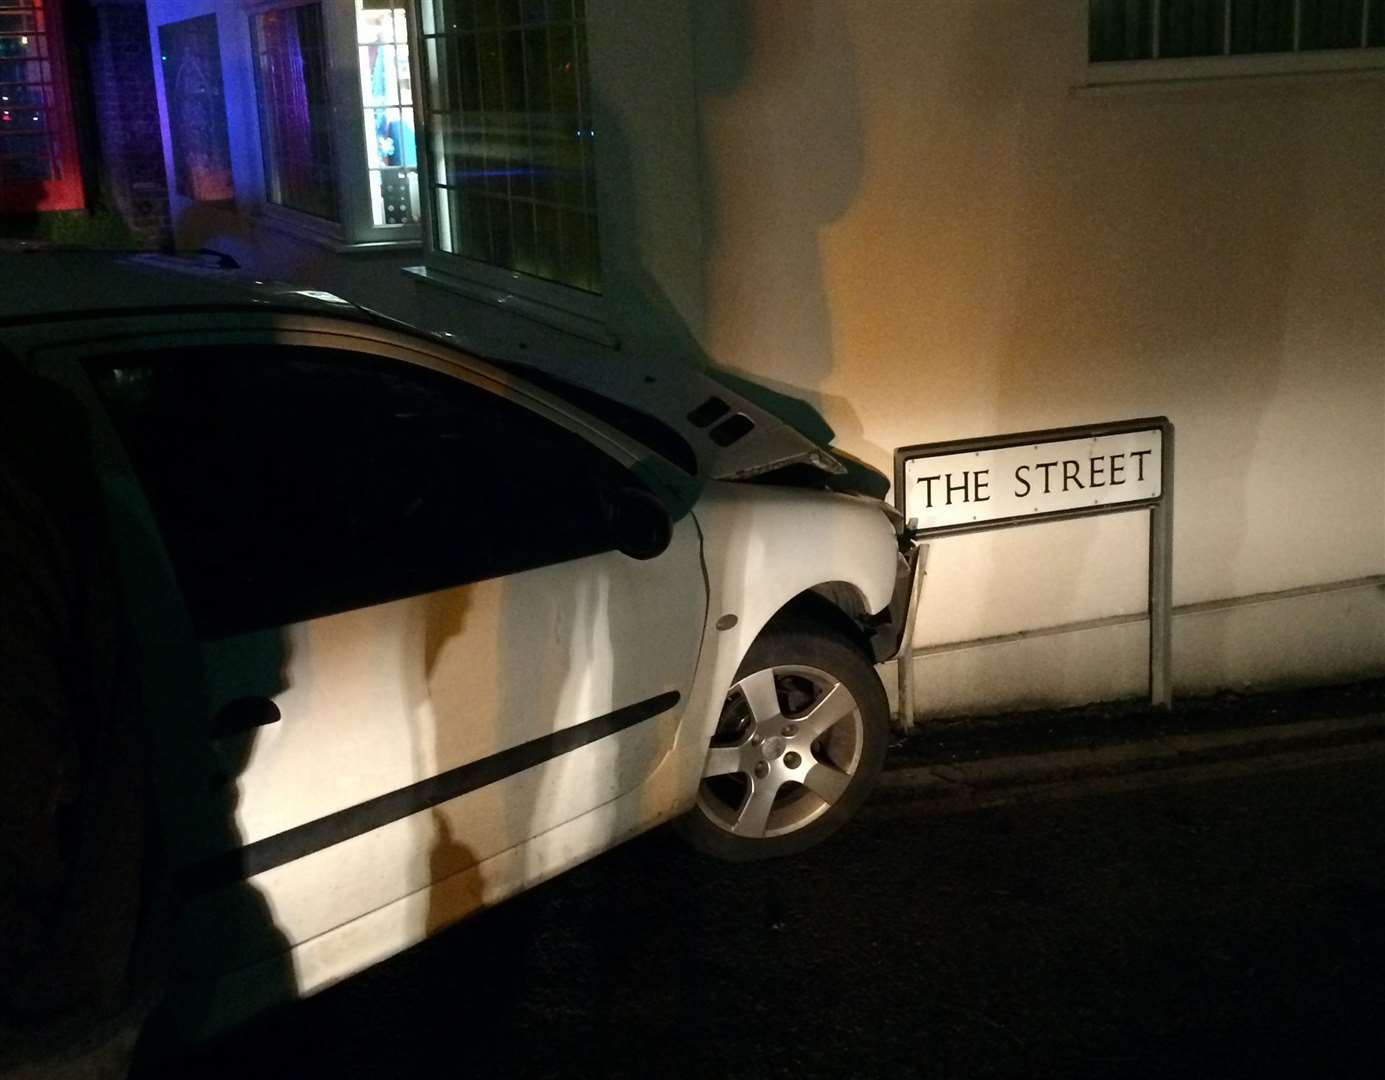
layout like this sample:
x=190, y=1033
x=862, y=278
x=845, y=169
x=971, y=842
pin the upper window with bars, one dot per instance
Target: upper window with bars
x=1299, y=32
x=511, y=155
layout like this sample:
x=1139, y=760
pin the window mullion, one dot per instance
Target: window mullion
x=485, y=153
x=584, y=146
x=1154, y=14
x=529, y=134
x=556, y=195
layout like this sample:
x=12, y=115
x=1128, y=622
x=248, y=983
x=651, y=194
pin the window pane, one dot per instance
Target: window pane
x=1330, y=24
x=1262, y=26
x=1118, y=29
x=393, y=196
x=1121, y=30
x=295, y=112
x=30, y=126
x=14, y=95
x=511, y=105
x=386, y=89
x=1192, y=27
x=295, y=482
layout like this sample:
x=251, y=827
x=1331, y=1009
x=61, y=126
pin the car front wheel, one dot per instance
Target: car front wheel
x=800, y=742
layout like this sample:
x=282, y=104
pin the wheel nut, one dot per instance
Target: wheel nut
x=792, y=760
x=761, y=769
x=790, y=730
x=756, y=739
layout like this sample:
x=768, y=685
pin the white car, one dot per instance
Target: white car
x=462, y=624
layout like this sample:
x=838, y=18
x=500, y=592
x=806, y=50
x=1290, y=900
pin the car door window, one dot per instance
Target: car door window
x=291, y=482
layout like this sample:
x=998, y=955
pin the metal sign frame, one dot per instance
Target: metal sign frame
x=1160, y=536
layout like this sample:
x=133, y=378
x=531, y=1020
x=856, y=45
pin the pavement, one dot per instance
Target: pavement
x=970, y=762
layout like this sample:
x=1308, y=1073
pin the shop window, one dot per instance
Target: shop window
x=1242, y=36
x=38, y=154
x=295, y=110
x=321, y=69
x=511, y=155
x=382, y=43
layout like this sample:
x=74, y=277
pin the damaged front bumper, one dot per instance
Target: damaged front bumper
x=888, y=627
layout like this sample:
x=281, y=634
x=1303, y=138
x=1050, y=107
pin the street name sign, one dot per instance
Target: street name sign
x=998, y=481
x=1029, y=480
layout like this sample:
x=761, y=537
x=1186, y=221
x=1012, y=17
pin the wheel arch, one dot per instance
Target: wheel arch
x=837, y=606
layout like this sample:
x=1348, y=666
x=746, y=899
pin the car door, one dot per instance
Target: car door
x=422, y=645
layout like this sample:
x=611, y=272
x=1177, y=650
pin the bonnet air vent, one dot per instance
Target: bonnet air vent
x=710, y=411
x=731, y=429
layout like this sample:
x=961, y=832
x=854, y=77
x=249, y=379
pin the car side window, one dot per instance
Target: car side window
x=291, y=482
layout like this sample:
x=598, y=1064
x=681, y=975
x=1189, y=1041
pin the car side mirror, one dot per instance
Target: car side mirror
x=640, y=524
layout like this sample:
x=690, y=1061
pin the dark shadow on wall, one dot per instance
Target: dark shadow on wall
x=781, y=73
x=787, y=67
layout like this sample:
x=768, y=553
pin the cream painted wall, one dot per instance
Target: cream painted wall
x=915, y=222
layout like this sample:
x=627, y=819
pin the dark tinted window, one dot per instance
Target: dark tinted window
x=293, y=482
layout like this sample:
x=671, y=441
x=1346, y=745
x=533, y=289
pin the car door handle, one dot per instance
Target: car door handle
x=243, y=714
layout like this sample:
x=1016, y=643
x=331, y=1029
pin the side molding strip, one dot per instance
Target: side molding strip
x=256, y=858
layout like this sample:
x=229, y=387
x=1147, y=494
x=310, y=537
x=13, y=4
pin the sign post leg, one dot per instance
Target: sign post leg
x=1161, y=585
x=905, y=662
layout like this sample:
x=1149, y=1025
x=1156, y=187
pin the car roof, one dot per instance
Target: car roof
x=63, y=286
x=42, y=285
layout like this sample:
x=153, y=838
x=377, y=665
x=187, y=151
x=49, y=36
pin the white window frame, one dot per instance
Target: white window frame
x=647, y=182
x=1358, y=60
x=356, y=228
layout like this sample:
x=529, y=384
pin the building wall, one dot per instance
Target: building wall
x=916, y=222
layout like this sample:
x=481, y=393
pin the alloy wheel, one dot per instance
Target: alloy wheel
x=788, y=743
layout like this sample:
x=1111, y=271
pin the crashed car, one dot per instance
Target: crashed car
x=458, y=623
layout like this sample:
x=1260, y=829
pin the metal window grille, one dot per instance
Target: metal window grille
x=1163, y=29
x=295, y=110
x=38, y=155
x=382, y=42
x=511, y=147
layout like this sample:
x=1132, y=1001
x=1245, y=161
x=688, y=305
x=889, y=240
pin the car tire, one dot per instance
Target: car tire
x=787, y=767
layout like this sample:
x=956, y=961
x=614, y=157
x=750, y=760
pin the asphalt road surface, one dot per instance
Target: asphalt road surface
x=1228, y=921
